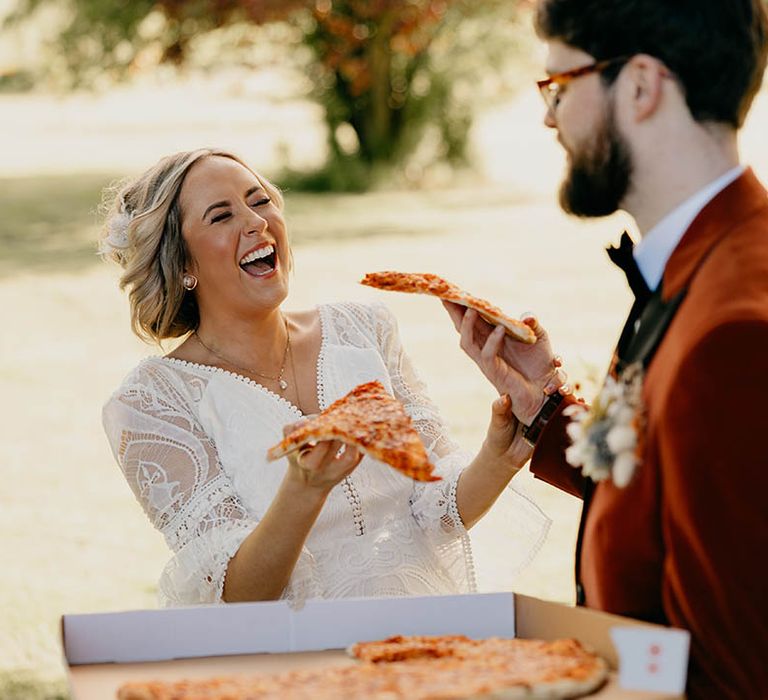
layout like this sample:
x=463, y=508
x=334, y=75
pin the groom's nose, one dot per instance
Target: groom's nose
x=549, y=119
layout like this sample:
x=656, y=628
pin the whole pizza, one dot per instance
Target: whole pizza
x=414, y=668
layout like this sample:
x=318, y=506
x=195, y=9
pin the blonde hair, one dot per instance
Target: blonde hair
x=142, y=233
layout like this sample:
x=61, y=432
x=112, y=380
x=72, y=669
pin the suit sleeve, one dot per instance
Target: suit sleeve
x=548, y=462
x=715, y=517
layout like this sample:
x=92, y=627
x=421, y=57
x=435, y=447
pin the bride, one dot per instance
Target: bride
x=205, y=255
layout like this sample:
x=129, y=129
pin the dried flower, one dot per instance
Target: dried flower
x=604, y=438
x=117, y=238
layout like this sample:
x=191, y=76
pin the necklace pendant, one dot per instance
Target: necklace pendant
x=283, y=384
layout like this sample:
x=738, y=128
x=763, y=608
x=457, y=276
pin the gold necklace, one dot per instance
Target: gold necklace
x=279, y=378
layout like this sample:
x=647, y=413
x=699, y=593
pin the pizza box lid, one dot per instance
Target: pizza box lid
x=104, y=650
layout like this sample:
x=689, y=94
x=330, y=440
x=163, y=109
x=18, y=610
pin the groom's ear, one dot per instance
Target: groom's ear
x=644, y=85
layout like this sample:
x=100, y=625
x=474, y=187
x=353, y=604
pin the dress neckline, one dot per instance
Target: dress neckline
x=319, y=392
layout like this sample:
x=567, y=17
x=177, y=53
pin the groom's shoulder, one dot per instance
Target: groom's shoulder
x=731, y=284
x=738, y=267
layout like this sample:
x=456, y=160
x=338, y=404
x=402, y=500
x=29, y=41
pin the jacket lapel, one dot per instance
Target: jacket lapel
x=653, y=323
x=736, y=203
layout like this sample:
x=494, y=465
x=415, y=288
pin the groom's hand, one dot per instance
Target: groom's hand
x=528, y=373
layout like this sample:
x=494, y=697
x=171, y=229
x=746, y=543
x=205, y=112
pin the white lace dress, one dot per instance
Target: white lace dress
x=191, y=441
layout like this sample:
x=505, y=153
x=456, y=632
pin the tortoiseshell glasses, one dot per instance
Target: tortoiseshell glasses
x=551, y=88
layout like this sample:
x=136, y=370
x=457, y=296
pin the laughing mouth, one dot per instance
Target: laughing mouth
x=260, y=262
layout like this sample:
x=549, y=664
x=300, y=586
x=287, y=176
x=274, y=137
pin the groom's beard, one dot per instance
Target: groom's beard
x=599, y=174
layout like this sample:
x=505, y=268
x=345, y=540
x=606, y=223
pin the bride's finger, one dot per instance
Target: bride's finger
x=349, y=458
x=312, y=456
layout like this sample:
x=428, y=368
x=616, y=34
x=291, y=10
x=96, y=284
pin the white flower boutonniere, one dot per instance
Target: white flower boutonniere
x=605, y=442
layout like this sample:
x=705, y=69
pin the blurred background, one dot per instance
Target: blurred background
x=407, y=134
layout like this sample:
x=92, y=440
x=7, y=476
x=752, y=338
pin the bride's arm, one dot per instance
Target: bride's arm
x=221, y=552
x=469, y=488
x=262, y=567
x=501, y=456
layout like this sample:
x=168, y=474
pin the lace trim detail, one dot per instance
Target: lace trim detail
x=220, y=370
x=347, y=485
x=351, y=321
x=182, y=527
x=197, y=572
x=452, y=519
x=466, y=545
x=350, y=491
x=322, y=398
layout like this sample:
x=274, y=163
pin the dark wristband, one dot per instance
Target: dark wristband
x=532, y=432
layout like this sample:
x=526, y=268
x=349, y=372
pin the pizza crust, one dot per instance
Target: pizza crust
x=427, y=283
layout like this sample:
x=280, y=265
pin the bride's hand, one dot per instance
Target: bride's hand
x=503, y=443
x=527, y=373
x=321, y=465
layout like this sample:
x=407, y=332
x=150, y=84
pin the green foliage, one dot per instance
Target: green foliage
x=49, y=223
x=397, y=79
x=26, y=686
x=97, y=37
x=340, y=173
x=16, y=81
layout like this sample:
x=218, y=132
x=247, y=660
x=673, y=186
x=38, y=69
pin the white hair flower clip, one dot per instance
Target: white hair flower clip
x=604, y=438
x=117, y=238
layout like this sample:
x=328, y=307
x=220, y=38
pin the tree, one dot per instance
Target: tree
x=383, y=70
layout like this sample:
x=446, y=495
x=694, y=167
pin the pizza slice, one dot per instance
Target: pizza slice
x=513, y=668
x=370, y=419
x=426, y=283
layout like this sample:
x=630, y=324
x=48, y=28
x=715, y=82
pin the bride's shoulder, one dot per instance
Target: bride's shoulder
x=153, y=375
x=368, y=315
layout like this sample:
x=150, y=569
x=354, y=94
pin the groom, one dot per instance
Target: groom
x=646, y=98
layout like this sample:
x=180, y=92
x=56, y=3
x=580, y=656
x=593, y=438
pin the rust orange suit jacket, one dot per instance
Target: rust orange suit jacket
x=686, y=542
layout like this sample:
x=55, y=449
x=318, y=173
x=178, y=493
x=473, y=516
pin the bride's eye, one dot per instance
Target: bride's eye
x=220, y=217
x=260, y=202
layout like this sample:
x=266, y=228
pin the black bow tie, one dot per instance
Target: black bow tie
x=623, y=257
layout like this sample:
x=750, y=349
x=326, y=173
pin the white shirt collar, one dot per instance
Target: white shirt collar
x=654, y=250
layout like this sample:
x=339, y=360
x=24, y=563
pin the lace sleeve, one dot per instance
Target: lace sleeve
x=173, y=470
x=433, y=504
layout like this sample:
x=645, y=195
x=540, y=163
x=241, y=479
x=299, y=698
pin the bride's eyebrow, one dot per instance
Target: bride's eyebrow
x=225, y=203
x=217, y=205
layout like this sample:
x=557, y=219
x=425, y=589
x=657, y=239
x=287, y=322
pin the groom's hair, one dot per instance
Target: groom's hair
x=716, y=48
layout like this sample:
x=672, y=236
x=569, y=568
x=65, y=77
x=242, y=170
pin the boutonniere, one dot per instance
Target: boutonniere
x=605, y=438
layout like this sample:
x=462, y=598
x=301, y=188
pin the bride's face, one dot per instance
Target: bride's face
x=236, y=238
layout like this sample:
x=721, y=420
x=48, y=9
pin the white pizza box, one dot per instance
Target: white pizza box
x=104, y=650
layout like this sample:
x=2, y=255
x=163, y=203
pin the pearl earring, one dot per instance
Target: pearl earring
x=189, y=282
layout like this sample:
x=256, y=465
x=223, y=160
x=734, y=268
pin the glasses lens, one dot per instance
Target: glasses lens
x=549, y=92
